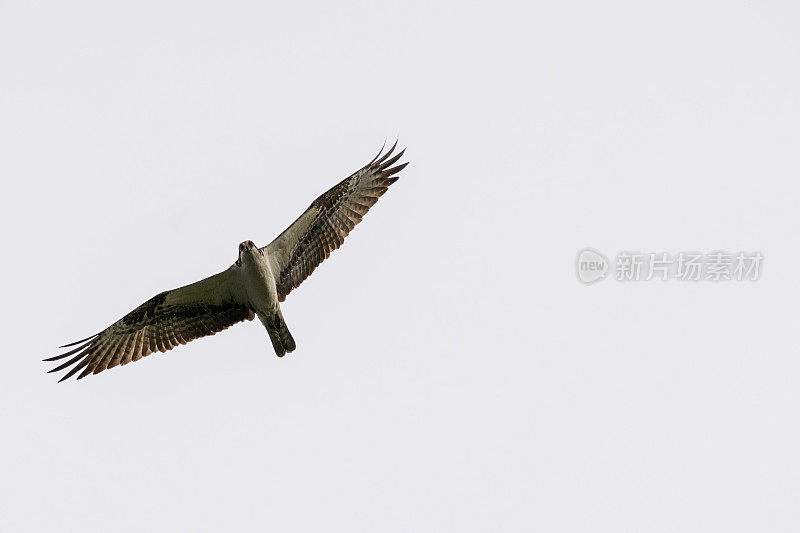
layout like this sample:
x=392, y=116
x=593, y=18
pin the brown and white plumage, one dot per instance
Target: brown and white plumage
x=161, y=323
x=321, y=229
x=253, y=286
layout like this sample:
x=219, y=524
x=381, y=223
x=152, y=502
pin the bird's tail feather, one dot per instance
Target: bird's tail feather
x=279, y=334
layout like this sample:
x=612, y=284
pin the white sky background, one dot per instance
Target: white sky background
x=451, y=373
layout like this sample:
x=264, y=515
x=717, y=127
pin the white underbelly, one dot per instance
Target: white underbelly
x=260, y=286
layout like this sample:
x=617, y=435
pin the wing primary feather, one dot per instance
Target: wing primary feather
x=80, y=341
x=76, y=368
x=125, y=346
x=392, y=161
x=62, y=356
x=68, y=363
x=394, y=170
x=86, y=371
x=99, y=354
x=115, y=344
x=379, y=154
x=387, y=154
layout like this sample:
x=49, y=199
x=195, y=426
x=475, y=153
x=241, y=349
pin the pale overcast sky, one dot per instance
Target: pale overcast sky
x=452, y=373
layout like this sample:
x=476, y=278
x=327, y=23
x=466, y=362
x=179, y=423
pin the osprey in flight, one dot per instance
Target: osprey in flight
x=254, y=285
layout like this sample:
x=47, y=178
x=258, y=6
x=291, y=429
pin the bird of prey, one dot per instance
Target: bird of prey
x=253, y=286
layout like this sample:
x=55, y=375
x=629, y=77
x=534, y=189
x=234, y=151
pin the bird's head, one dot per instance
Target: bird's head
x=246, y=250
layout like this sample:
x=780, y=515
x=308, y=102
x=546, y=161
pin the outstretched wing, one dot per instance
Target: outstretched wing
x=161, y=323
x=296, y=252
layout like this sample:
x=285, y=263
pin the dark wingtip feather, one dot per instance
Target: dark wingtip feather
x=75, y=369
x=392, y=161
x=378, y=154
x=68, y=363
x=67, y=375
x=394, y=170
x=80, y=341
x=63, y=355
x=387, y=154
